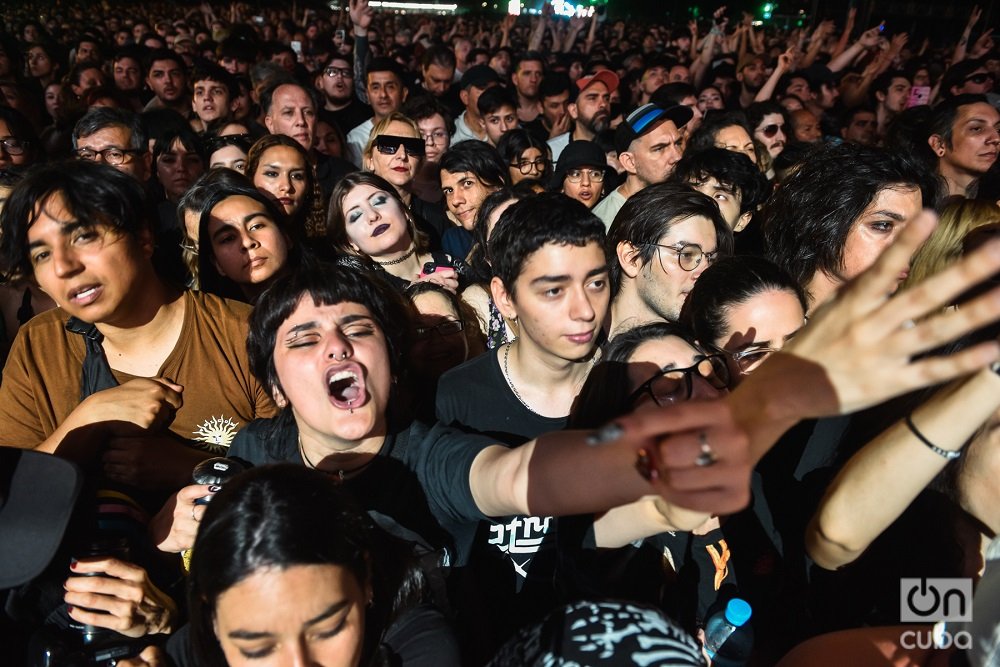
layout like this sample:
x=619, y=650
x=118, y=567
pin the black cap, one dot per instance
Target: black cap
x=37, y=494
x=579, y=154
x=645, y=118
x=479, y=76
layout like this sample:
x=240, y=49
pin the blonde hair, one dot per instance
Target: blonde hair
x=944, y=246
x=381, y=126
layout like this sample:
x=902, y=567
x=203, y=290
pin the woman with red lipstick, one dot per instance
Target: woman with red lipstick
x=279, y=167
x=367, y=219
x=396, y=152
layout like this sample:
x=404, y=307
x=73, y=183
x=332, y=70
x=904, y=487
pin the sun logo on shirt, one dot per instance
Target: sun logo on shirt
x=217, y=432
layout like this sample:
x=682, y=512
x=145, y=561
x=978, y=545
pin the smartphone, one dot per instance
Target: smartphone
x=297, y=47
x=259, y=20
x=919, y=96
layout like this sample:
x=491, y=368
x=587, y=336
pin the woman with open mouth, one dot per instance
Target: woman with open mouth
x=368, y=220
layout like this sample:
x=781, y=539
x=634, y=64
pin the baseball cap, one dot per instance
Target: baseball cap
x=608, y=78
x=37, y=494
x=479, y=76
x=645, y=118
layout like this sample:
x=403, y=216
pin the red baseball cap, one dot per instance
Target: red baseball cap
x=607, y=77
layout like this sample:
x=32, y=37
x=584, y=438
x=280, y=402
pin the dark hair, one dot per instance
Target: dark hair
x=650, y=213
x=755, y=114
x=532, y=223
x=284, y=516
x=163, y=54
x=188, y=138
x=214, y=143
x=77, y=70
x=494, y=99
x=807, y=221
x=942, y=120
x=21, y=128
x=670, y=94
x=90, y=191
x=100, y=118
x=384, y=64
x=207, y=71
x=713, y=123
x=734, y=171
x=327, y=285
x=336, y=224
x=883, y=82
x=439, y=55
x=479, y=158
x=297, y=223
x=553, y=84
x=956, y=75
x=732, y=281
x=422, y=107
x=528, y=56
x=513, y=144
x=479, y=258
x=605, y=394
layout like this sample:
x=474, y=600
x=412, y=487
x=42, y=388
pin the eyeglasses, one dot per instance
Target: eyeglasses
x=770, y=130
x=112, y=156
x=525, y=166
x=576, y=175
x=979, y=78
x=676, y=384
x=435, y=137
x=688, y=256
x=12, y=146
x=446, y=328
x=338, y=72
x=388, y=144
x=749, y=359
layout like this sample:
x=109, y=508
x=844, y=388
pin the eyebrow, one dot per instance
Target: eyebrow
x=65, y=229
x=566, y=278
x=344, y=321
x=327, y=613
x=898, y=217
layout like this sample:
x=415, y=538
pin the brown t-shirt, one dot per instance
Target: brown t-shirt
x=41, y=381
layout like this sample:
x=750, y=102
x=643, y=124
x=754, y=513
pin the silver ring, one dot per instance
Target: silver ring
x=707, y=456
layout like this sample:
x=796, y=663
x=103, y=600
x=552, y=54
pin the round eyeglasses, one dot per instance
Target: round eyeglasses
x=689, y=256
x=525, y=166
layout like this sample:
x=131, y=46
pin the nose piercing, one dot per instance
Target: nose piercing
x=343, y=357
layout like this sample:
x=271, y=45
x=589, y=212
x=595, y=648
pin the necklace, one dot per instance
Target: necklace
x=341, y=474
x=510, y=379
x=398, y=260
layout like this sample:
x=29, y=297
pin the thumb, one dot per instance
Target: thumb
x=170, y=383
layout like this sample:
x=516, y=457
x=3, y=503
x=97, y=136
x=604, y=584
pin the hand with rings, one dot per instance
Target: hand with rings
x=707, y=456
x=174, y=527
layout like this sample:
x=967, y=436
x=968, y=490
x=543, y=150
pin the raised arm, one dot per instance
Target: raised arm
x=786, y=63
x=845, y=35
x=963, y=42
x=361, y=19
x=868, y=39
x=886, y=475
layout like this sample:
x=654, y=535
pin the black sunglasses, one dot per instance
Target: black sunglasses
x=771, y=130
x=388, y=144
x=980, y=78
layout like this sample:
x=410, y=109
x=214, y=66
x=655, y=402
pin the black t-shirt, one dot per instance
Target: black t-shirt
x=475, y=397
x=514, y=566
x=420, y=479
x=351, y=116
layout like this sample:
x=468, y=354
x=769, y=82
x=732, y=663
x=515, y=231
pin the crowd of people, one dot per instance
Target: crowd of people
x=541, y=339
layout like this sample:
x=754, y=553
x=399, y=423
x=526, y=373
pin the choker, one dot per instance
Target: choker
x=398, y=260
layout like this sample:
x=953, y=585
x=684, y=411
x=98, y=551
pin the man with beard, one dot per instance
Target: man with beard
x=751, y=76
x=335, y=81
x=590, y=111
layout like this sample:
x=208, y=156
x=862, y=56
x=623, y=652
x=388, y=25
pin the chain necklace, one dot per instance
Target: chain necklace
x=398, y=260
x=510, y=380
x=341, y=474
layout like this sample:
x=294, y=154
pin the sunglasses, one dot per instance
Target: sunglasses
x=770, y=130
x=388, y=144
x=979, y=79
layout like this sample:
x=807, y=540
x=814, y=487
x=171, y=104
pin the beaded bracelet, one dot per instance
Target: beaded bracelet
x=949, y=454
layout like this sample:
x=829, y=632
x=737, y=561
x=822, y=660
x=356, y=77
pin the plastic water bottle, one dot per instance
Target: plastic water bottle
x=728, y=636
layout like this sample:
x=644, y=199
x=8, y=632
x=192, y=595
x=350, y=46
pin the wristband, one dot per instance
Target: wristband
x=949, y=454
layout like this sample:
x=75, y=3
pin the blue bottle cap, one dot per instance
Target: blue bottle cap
x=738, y=612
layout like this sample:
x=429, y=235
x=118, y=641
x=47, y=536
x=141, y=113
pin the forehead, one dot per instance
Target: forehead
x=733, y=134
x=209, y=83
x=770, y=119
x=452, y=177
x=382, y=77
x=114, y=134
x=901, y=198
x=693, y=229
x=529, y=65
x=977, y=111
x=899, y=81
x=282, y=155
x=596, y=89
x=165, y=65
x=562, y=259
x=359, y=194
x=434, y=303
x=666, y=131
x=236, y=206
x=431, y=122
x=292, y=96
x=660, y=352
x=400, y=129
x=307, y=310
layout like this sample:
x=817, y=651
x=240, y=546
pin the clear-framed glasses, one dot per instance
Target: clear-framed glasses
x=113, y=156
x=676, y=384
x=338, y=72
x=748, y=359
x=688, y=256
x=434, y=138
x=446, y=328
x=576, y=175
x=13, y=146
x=525, y=166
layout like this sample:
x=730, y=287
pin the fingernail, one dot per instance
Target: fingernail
x=607, y=433
x=73, y=563
x=69, y=609
x=214, y=488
